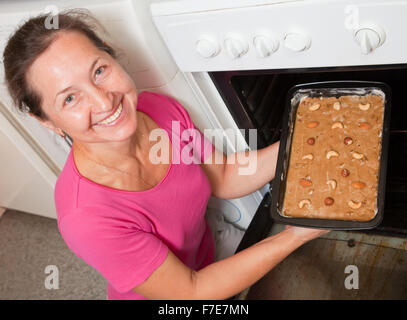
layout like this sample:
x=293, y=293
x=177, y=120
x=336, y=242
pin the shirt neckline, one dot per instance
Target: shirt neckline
x=140, y=108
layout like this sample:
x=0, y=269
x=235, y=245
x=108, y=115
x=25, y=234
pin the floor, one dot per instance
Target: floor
x=29, y=244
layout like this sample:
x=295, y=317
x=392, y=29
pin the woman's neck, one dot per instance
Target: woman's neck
x=116, y=153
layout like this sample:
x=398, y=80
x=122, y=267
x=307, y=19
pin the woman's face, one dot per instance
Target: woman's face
x=84, y=91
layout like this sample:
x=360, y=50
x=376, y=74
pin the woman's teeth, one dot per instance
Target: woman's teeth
x=113, y=117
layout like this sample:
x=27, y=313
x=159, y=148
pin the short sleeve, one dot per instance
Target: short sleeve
x=199, y=140
x=126, y=257
x=205, y=143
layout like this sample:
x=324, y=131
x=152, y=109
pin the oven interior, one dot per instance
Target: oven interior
x=256, y=100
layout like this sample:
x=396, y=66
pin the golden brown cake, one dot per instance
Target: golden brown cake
x=335, y=156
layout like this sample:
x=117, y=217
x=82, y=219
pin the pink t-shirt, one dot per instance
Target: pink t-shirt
x=126, y=235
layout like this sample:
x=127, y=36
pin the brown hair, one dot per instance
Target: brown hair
x=33, y=38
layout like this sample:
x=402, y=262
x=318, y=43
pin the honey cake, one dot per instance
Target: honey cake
x=334, y=162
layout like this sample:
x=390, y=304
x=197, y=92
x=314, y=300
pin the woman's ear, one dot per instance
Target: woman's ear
x=48, y=124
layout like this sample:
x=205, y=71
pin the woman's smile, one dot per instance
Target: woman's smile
x=114, y=118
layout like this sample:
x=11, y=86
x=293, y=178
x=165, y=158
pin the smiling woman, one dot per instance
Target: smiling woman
x=138, y=221
x=85, y=100
x=31, y=40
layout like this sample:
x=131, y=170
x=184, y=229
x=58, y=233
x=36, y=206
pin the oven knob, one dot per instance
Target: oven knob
x=369, y=37
x=265, y=45
x=236, y=47
x=297, y=42
x=207, y=48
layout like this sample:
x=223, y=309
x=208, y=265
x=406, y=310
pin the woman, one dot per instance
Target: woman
x=138, y=222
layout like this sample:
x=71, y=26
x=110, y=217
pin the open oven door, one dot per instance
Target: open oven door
x=260, y=226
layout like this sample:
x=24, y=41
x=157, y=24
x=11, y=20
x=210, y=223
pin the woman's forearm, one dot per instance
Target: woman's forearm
x=241, y=179
x=232, y=275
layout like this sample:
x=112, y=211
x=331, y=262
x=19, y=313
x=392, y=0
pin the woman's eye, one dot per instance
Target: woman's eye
x=68, y=99
x=99, y=71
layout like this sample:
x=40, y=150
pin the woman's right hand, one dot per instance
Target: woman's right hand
x=305, y=234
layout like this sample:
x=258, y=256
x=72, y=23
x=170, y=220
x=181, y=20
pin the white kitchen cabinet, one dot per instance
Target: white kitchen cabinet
x=26, y=182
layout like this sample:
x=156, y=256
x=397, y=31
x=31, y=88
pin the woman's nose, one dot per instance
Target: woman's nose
x=100, y=100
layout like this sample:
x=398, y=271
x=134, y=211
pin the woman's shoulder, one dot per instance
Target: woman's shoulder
x=161, y=107
x=73, y=191
x=66, y=187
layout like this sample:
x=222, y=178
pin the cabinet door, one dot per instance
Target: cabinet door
x=26, y=182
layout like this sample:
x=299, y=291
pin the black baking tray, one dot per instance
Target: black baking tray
x=327, y=89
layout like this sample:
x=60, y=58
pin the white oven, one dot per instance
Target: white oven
x=241, y=57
